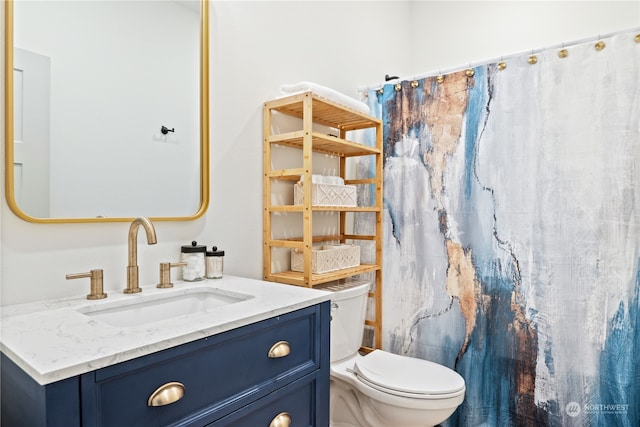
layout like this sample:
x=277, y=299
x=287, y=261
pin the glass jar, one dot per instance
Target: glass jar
x=193, y=255
x=215, y=263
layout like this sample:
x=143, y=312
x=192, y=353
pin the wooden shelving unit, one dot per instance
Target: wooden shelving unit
x=314, y=110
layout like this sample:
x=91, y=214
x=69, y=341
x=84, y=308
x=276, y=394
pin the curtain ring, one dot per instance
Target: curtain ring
x=469, y=71
x=502, y=65
x=563, y=53
x=599, y=45
x=398, y=87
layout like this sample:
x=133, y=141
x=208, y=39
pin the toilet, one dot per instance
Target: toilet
x=381, y=389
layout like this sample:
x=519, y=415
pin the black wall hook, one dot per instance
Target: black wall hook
x=165, y=130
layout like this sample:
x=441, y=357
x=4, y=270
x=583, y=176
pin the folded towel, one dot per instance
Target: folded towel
x=325, y=92
x=324, y=179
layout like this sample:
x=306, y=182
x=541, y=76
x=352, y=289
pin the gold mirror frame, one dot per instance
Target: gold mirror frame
x=9, y=131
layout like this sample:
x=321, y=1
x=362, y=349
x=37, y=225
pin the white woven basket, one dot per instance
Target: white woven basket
x=327, y=195
x=327, y=258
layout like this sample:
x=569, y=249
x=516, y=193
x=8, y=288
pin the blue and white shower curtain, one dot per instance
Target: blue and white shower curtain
x=512, y=233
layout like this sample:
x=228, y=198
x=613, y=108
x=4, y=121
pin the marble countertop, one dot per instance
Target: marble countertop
x=54, y=340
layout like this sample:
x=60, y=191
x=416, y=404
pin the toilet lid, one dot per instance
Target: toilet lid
x=407, y=374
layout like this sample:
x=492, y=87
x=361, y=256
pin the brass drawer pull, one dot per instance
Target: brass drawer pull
x=166, y=394
x=279, y=349
x=283, y=419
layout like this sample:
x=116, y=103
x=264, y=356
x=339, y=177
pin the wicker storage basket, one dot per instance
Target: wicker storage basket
x=327, y=195
x=327, y=258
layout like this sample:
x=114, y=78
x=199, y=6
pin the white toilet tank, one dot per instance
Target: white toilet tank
x=348, y=310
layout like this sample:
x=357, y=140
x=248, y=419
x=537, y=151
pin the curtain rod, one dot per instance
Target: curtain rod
x=364, y=89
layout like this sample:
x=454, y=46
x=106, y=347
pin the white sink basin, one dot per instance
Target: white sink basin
x=142, y=310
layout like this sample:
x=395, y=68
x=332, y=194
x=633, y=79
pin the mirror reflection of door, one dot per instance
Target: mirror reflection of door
x=31, y=78
x=110, y=90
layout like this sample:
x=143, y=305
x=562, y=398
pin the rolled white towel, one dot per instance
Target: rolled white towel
x=324, y=179
x=315, y=179
x=331, y=94
x=333, y=180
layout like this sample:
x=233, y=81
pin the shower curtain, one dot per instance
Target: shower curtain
x=512, y=232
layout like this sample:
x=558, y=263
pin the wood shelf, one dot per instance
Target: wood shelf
x=326, y=144
x=298, y=243
x=301, y=208
x=315, y=110
x=325, y=112
x=286, y=174
x=297, y=278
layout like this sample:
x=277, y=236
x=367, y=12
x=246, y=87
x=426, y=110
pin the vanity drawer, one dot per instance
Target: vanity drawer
x=220, y=374
x=297, y=401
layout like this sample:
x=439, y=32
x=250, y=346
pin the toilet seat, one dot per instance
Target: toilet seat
x=408, y=376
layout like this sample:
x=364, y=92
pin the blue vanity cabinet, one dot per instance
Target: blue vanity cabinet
x=228, y=379
x=24, y=402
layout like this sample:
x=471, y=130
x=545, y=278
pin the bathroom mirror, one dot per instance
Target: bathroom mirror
x=106, y=110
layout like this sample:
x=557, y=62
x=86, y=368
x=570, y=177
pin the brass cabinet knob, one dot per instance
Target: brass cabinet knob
x=279, y=349
x=166, y=394
x=97, y=287
x=283, y=419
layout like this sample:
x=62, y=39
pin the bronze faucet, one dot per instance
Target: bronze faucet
x=133, y=286
x=96, y=276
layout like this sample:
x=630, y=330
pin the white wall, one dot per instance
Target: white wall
x=255, y=47
x=454, y=33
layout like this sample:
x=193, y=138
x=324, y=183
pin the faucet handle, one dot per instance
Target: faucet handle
x=165, y=273
x=96, y=276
